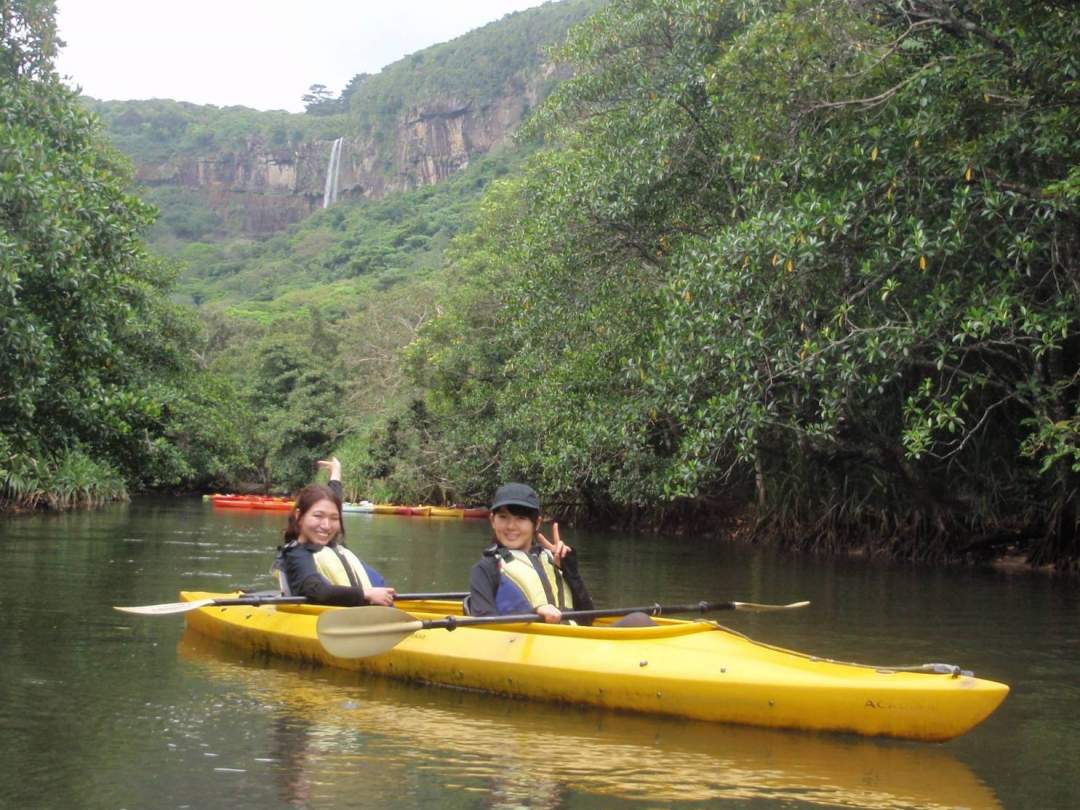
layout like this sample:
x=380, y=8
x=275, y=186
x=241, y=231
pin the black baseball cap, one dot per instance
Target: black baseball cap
x=516, y=495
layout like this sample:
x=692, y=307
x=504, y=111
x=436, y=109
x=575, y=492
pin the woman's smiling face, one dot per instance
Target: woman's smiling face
x=512, y=531
x=321, y=523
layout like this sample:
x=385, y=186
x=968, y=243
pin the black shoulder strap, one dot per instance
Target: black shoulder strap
x=345, y=563
x=539, y=567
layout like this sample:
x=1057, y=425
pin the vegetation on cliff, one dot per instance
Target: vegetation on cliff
x=377, y=243
x=821, y=256
x=500, y=60
x=154, y=131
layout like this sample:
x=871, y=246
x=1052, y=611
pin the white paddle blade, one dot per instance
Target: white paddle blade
x=364, y=631
x=165, y=609
x=754, y=607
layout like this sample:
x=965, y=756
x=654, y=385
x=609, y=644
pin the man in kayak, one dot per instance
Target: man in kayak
x=314, y=563
x=522, y=571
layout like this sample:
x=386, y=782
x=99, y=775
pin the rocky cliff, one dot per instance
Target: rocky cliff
x=260, y=189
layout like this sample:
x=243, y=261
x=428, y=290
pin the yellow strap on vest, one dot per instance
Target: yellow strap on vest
x=521, y=572
x=330, y=566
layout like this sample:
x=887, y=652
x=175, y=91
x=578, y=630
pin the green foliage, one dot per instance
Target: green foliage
x=91, y=350
x=820, y=251
x=185, y=217
x=152, y=132
x=28, y=38
x=295, y=401
x=69, y=479
x=318, y=100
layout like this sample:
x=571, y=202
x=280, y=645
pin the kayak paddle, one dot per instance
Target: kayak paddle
x=364, y=631
x=183, y=607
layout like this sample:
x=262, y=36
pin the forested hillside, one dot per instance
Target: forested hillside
x=108, y=384
x=816, y=260
x=803, y=268
x=301, y=332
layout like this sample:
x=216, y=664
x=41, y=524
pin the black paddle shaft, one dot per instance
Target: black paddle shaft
x=277, y=599
x=452, y=622
x=262, y=600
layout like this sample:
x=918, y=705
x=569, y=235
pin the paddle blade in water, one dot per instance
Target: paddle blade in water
x=165, y=609
x=364, y=631
x=754, y=607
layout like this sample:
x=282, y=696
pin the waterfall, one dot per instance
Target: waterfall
x=330, y=192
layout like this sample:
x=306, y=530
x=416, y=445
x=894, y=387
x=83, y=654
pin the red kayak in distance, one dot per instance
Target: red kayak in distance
x=251, y=502
x=231, y=501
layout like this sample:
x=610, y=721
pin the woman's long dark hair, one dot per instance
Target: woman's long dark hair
x=308, y=497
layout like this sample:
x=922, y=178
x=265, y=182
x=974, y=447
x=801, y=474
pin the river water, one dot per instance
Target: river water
x=102, y=709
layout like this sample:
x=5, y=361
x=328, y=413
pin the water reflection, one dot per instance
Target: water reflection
x=336, y=736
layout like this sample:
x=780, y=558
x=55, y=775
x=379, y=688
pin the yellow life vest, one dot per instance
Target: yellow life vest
x=517, y=567
x=331, y=561
x=330, y=565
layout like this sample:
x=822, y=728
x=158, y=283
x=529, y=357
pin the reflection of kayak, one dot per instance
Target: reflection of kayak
x=280, y=505
x=653, y=759
x=688, y=669
x=250, y=503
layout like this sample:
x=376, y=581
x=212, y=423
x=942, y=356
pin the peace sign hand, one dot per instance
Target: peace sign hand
x=558, y=548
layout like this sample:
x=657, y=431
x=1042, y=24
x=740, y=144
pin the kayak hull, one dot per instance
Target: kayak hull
x=446, y=511
x=251, y=502
x=687, y=669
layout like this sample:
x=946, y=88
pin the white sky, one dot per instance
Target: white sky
x=259, y=53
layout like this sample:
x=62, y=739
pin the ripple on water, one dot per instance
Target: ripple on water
x=207, y=574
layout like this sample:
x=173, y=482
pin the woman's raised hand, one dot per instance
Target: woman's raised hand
x=333, y=466
x=556, y=546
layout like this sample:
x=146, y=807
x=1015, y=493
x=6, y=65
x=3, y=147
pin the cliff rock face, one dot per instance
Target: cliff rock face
x=263, y=189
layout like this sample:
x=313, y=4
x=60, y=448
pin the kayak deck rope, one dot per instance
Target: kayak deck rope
x=930, y=669
x=936, y=669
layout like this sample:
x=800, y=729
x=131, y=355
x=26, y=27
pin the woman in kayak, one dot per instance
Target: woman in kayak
x=522, y=571
x=314, y=562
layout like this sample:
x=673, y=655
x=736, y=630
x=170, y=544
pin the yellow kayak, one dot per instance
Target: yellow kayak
x=694, y=669
x=447, y=511
x=658, y=761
